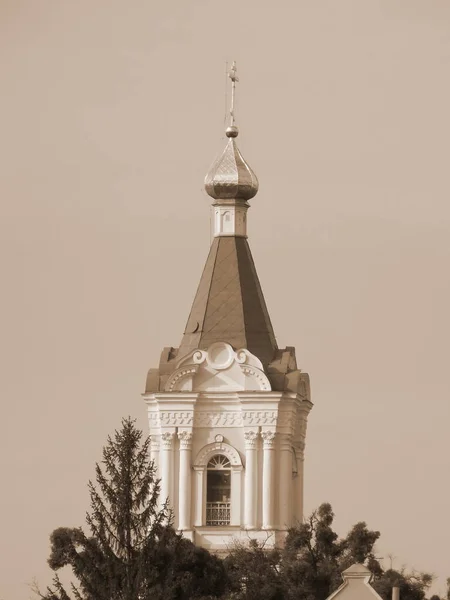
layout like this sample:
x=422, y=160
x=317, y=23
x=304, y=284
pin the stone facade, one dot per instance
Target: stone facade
x=220, y=402
x=228, y=409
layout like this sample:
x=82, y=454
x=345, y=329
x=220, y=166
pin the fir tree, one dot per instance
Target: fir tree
x=132, y=552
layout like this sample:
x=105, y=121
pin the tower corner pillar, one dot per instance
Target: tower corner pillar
x=166, y=466
x=250, y=516
x=268, y=487
x=184, y=487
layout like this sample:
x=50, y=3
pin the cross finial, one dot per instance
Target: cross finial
x=232, y=75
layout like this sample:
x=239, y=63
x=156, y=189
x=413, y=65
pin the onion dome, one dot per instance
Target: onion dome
x=230, y=177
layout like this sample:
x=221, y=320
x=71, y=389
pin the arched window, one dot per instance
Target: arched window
x=227, y=223
x=218, y=491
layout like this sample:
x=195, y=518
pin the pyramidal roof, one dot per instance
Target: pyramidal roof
x=229, y=304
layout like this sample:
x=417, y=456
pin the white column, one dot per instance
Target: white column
x=285, y=483
x=154, y=457
x=236, y=497
x=268, y=491
x=154, y=453
x=298, y=482
x=184, y=486
x=199, y=495
x=250, y=480
x=166, y=458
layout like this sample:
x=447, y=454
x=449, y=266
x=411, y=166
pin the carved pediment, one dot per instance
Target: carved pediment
x=220, y=368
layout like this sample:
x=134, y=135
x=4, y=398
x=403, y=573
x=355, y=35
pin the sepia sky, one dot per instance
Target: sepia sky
x=111, y=114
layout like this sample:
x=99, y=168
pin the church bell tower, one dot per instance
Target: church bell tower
x=228, y=409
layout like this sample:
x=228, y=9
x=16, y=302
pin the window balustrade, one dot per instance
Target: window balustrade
x=217, y=513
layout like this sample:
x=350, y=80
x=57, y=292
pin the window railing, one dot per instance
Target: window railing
x=217, y=513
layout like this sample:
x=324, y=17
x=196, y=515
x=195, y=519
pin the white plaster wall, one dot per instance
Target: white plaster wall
x=195, y=403
x=230, y=220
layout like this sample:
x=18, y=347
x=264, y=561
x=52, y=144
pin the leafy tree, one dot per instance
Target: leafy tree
x=253, y=572
x=310, y=565
x=314, y=556
x=412, y=586
x=132, y=552
x=307, y=568
x=310, y=560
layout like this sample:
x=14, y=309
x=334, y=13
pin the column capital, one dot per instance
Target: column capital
x=250, y=438
x=268, y=439
x=154, y=445
x=185, y=438
x=167, y=439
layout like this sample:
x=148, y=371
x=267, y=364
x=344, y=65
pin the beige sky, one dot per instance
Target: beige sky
x=111, y=113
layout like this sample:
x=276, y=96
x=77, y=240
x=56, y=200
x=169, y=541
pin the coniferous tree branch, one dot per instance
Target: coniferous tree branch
x=132, y=551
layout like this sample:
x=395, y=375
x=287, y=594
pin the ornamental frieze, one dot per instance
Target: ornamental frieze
x=231, y=418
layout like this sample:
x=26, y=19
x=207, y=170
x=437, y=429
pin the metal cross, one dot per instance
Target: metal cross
x=232, y=75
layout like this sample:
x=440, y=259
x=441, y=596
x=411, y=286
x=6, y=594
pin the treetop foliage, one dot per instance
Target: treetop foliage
x=132, y=552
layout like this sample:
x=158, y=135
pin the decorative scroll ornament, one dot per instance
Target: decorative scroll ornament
x=217, y=369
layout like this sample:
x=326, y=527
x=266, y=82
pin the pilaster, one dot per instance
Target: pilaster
x=268, y=495
x=250, y=512
x=166, y=458
x=184, y=486
x=285, y=484
x=299, y=448
x=154, y=452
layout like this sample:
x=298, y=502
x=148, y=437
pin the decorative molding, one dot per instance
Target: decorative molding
x=259, y=376
x=219, y=366
x=154, y=444
x=227, y=418
x=285, y=443
x=286, y=419
x=218, y=419
x=250, y=439
x=185, y=438
x=220, y=356
x=167, y=440
x=260, y=417
x=210, y=450
x=176, y=418
x=268, y=439
x=154, y=420
x=180, y=374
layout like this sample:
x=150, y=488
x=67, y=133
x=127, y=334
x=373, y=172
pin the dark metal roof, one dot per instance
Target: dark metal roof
x=229, y=305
